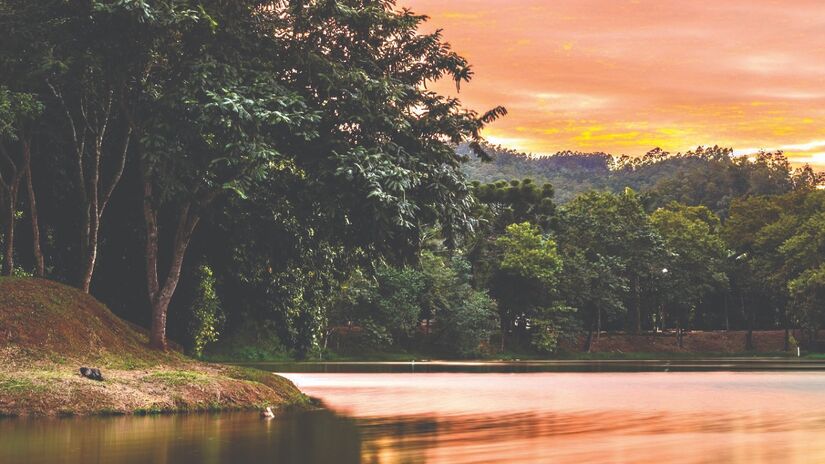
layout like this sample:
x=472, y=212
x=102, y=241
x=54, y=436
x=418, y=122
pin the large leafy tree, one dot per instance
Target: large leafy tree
x=596, y=286
x=525, y=277
x=802, y=261
x=331, y=91
x=694, y=263
x=614, y=231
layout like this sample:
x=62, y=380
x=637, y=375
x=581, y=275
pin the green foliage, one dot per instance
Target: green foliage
x=207, y=316
x=515, y=201
x=17, y=109
x=525, y=276
x=387, y=306
x=324, y=174
x=695, y=263
x=253, y=340
x=464, y=317
x=808, y=294
x=612, y=233
x=529, y=255
x=551, y=326
x=779, y=256
x=709, y=176
x=465, y=325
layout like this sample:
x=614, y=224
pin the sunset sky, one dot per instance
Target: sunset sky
x=625, y=76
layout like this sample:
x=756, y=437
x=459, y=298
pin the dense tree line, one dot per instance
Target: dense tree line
x=607, y=262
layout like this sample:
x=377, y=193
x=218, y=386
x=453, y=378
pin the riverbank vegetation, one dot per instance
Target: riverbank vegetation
x=262, y=180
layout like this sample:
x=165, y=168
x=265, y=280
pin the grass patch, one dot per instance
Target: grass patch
x=178, y=378
x=152, y=410
x=280, y=384
x=11, y=385
x=125, y=362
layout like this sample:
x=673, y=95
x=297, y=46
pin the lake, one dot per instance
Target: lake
x=743, y=412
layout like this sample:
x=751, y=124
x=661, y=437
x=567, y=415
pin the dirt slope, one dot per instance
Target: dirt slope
x=48, y=331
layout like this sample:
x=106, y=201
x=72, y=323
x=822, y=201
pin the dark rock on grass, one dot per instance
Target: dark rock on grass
x=91, y=373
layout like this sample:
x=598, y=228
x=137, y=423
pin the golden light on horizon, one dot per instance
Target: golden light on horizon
x=626, y=76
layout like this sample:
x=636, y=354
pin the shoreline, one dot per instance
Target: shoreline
x=41, y=375
x=43, y=391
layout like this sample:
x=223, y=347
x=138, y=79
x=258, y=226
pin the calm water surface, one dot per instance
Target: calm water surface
x=471, y=417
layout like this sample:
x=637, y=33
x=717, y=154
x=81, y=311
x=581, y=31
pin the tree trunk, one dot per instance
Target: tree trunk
x=11, y=185
x=749, y=334
x=8, y=253
x=92, y=130
x=503, y=324
x=678, y=333
x=90, y=251
x=39, y=260
x=664, y=319
x=727, y=316
x=160, y=297
x=638, y=304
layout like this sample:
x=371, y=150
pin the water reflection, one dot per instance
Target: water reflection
x=619, y=417
x=749, y=417
x=609, y=365
x=199, y=438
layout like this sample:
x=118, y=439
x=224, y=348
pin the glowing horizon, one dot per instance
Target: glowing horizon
x=623, y=77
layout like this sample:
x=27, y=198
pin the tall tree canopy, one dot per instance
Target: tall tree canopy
x=209, y=99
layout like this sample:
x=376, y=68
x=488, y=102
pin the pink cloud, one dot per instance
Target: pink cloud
x=618, y=76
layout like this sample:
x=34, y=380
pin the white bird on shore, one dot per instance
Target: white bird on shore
x=267, y=413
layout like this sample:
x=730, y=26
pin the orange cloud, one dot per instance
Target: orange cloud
x=623, y=76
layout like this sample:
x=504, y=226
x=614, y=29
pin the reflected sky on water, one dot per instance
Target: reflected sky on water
x=740, y=417
x=439, y=417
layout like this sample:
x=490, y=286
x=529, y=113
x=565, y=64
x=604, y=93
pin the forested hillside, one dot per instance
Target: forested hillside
x=709, y=176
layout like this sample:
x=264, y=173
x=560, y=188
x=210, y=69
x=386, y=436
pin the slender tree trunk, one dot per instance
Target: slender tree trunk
x=90, y=251
x=504, y=325
x=598, y=324
x=521, y=330
x=749, y=335
x=664, y=320
x=8, y=252
x=727, y=316
x=39, y=260
x=638, y=305
x=93, y=127
x=678, y=333
x=588, y=344
x=91, y=218
x=11, y=185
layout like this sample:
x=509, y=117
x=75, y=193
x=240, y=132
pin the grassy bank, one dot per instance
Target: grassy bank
x=48, y=331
